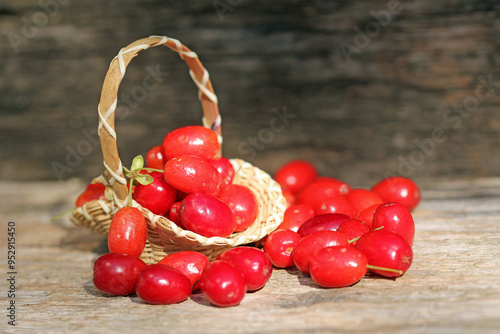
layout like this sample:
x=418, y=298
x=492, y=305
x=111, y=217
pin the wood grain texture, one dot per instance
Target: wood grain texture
x=356, y=116
x=453, y=285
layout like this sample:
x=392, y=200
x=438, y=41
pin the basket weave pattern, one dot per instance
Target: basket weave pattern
x=164, y=236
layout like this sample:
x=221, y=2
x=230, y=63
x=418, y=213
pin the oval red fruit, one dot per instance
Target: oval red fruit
x=386, y=249
x=362, y=199
x=295, y=216
x=336, y=204
x=295, y=175
x=398, y=189
x=354, y=228
x=93, y=192
x=194, y=140
x=324, y=187
x=127, y=232
x=192, y=174
x=396, y=218
x=222, y=284
x=225, y=169
x=157, y=197
x=160, y=284
x=242, y=202
x=206, y=215
x=116, y=273
x=279, y=246
x=155, y=158
x=337, y=267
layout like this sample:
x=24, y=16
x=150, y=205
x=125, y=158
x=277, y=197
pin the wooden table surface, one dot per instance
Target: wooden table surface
x=453, y=285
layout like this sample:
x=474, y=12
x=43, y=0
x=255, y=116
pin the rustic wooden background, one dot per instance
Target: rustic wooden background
x=366, y=88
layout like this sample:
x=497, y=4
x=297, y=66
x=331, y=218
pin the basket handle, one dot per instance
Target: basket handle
x=109, y=98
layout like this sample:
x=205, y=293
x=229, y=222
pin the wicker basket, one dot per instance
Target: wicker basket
x=164, y=236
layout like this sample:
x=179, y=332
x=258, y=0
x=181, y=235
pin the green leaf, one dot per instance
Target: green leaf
x=137, y=163
x=144, y=179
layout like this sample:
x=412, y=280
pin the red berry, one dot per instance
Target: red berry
x=242, y=203
x=116, y=274
x=127, y=232
x=191, y=140
x=325, y=222
x=222, y=284
x=225, y=169
x=336, y=204
x=192, y=174
x=279, y=246
x=160, y=284
x=157, y=197
x=174, y=213
x=396, y=218
x=295, y=216
x=398, y=189
x=362, y=199
x=309, y=245
x=155, y=158
x=324, y=187
x=367, y=214
x=354, y=228
x=207, y=215
x=295, y=175
x=253, y=263
x=386, y=249
x=190, y=263
x=338, y=266
x=94, y=191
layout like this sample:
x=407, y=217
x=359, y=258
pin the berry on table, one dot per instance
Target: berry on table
x=324, y=222
x=190, y=263
x=161, y=284
x=222, y=284
x=295, y=216
x=116, y=273
x=396, y=218
x=279, y=246
x=324, y=187
x=398, y=189
x=362, y=199
x=354, y=228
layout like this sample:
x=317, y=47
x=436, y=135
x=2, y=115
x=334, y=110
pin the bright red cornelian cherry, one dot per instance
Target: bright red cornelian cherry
x=396, y=218
x=253, y=263
x=222, y=284
x=367, y=214
x=325, y=222
x=398, y=189
x=309, y=245
x=155, y=158
x=116, y=273
x=295, y=216
x=279, y=246
x=190, y=263
x=127, y=232
x=243, y=203
x=225, y=169
x=316, y=192
x=94, y=191
x=289, y=197
x=191, y=140
x=354, y=228
x=362, y=199
x=161, y=284
x=386, y=249
x=157, y=197
x=191, y=174
x=206, y=215
x=336, y=204
x=338, y=266
x=295, y=175
x=174, y=214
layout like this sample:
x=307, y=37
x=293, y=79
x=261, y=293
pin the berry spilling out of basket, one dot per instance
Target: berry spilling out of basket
x=330, y=231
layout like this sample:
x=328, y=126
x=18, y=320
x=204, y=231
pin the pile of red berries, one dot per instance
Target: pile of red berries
x=330, y=231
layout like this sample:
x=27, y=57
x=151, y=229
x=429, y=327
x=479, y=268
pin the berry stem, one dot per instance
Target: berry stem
x=369, y=266
x=356, y=239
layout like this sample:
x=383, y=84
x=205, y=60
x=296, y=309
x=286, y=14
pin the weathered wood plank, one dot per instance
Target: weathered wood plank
x=453, y=285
